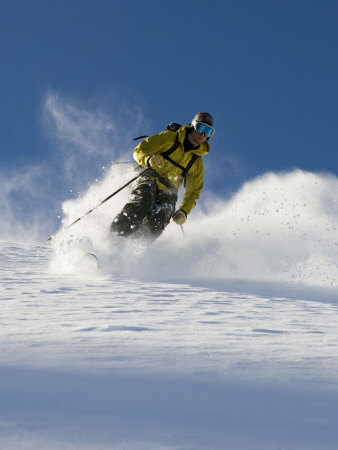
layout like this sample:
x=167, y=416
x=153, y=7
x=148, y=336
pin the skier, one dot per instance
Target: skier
x=172, y=156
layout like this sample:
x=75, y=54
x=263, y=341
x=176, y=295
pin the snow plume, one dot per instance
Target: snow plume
x=82, y=139
x=277, y=227
x=25, y=203
x=89, y=134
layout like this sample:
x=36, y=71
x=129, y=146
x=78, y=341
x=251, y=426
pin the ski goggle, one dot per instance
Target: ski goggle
x=202, y=127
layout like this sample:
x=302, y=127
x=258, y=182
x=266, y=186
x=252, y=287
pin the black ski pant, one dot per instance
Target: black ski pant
x=147, y=212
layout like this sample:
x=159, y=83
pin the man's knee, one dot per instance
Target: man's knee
x=159, y=217
x=142, y=197
x=125, y=224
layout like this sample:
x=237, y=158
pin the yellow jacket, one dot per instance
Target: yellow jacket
x=159, y=143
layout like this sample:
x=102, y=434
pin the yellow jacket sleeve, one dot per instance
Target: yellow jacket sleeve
x=193, y=187
x=152, y=145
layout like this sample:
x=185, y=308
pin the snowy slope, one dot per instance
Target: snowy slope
x=93, y=361
x=223, y=338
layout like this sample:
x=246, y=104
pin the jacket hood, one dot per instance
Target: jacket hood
x=202, y=150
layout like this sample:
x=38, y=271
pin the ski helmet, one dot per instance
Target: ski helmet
x=205, y=118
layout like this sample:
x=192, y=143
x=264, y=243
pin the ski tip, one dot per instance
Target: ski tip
x=94, y=259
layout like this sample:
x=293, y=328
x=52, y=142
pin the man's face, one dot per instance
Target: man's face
x=195, y=138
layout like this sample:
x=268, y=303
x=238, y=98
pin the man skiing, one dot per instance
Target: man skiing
x=171, y=156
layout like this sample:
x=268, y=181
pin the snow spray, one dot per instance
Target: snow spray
x=277, y=227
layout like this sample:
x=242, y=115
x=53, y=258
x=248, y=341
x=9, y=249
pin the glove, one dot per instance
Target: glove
x=180, y=217
x=156, y=162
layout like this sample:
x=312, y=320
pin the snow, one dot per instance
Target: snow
x=222, y=338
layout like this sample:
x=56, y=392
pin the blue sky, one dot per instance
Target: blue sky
x=266, y=70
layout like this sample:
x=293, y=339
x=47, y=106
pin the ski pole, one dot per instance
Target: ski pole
x=104, y=201
x=148, y=170
x=108, y=198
